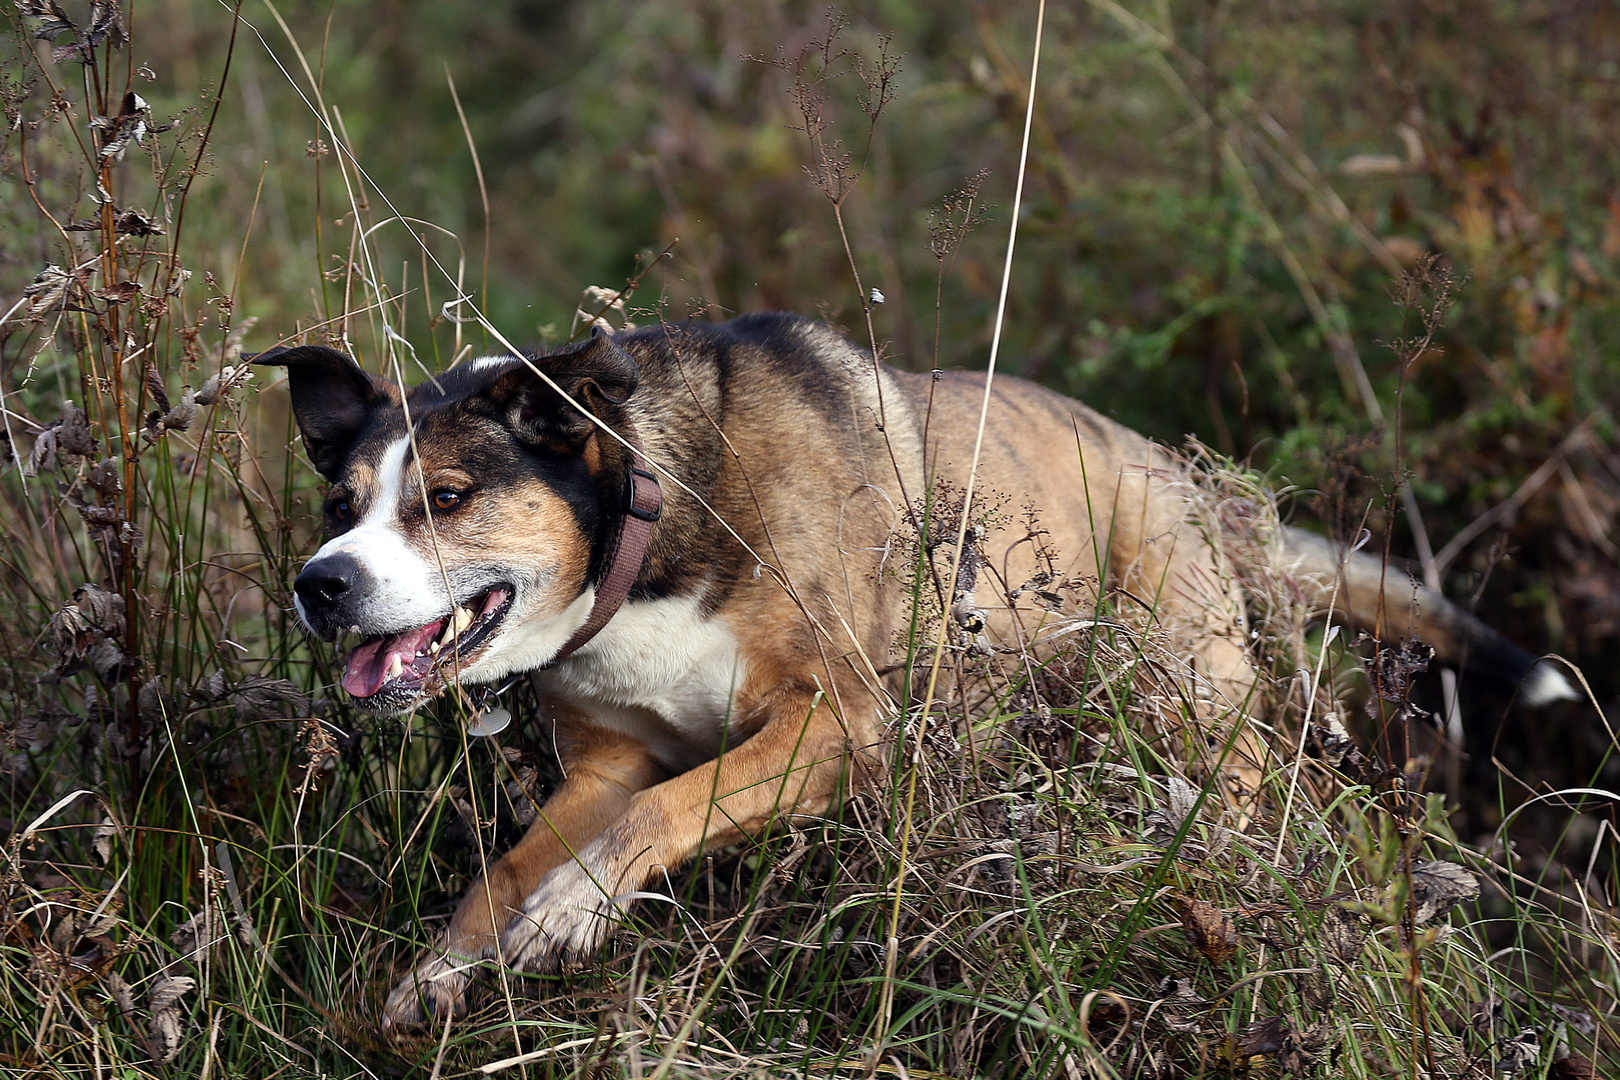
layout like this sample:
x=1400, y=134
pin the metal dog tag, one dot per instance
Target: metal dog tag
x=489, y=722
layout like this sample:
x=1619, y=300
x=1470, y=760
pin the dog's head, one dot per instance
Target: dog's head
x=464, y=515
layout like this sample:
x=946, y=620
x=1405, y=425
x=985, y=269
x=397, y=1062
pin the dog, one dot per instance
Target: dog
x=682, y=533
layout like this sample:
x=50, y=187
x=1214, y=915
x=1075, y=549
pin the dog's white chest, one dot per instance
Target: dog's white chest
x=662, y=656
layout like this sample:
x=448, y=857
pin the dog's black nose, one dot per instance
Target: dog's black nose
x=325, y=582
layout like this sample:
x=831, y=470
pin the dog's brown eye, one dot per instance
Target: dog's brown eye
x=340, y=509
x=445, y=499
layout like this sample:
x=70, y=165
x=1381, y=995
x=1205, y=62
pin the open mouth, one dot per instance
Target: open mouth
x=398, y=666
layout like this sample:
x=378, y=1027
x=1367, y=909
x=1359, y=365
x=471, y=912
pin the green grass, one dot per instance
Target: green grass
x=211, y=868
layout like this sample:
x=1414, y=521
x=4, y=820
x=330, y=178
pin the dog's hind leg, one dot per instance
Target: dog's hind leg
x=1169, y=563
x=603, y=771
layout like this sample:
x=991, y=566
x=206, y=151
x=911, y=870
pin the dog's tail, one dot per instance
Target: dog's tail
x=1364, y=591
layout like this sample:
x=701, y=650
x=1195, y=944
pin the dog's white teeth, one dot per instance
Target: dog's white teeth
x=395, y=666
x=463, y=619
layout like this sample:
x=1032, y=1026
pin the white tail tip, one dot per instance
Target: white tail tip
x=1545, y=684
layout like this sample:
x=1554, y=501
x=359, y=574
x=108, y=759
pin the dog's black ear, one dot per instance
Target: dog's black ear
x=331, y=399
x=596, y=376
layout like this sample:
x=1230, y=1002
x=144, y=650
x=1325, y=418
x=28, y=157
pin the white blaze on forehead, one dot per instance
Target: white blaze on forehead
x=390, y=481
x=407, y=586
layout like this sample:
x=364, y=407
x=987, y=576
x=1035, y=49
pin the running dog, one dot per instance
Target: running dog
x=680, y=532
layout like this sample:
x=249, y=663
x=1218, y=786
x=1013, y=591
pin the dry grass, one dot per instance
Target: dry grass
x=211, y=871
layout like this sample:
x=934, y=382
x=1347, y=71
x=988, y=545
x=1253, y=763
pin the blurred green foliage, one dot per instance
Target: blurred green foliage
x=1220, y=199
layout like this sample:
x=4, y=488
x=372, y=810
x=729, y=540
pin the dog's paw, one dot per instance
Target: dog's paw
x=562, y=924
x=436, y=989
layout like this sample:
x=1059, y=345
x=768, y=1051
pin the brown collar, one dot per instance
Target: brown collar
x=644, y=502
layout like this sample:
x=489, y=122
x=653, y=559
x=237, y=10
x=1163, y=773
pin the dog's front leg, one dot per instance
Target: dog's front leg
x=792, y=765
x=603, y=771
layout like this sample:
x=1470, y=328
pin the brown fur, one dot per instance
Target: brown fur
x=816, y=458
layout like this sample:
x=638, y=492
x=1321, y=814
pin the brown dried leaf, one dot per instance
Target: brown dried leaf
x=1295, y=1052
x=43, y=455
x=121, y=293
x=52, y=290
x=154, y=703
x=1303, y=1049
x=132, y=124
x=106, y=659
x=82, y=629
x=73, y=433
x=1178, y=992
x=1209, y=929
x=219, y=384
x=170, y=989
x=65, y=931
x=67, y=632
x=1582, y=1021
x=101, y=607
x=135, y=223
x=104, y=477
x=258, y=698
x=97, y=517
x=125, y=222
x=464, y=809
x=37, y=730
x=122, y=995
x=102, y=839
x=1316, y=989
x=68, y=437
x=164, y=1031
x=183, y=415
x=212, y=688
x=102, y=926
x=1261, y=1037
x=99, y=956
x=53, y=20
x=1343, y=933
x=1166, y=819
x=1437, y=887
x=106, y=24
x=155, y=387
x=1519, y=1053
x=194, y=935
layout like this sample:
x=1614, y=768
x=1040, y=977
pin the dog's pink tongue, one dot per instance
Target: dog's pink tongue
x=371, y=659
x=367, y=668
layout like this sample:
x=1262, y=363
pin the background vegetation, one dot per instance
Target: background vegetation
x=1221, y=198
